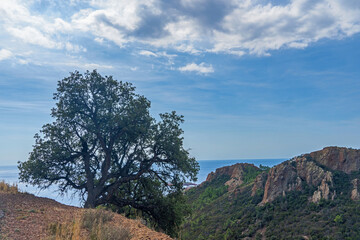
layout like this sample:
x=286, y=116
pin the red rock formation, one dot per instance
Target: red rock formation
x=235, y=172
x=314, y=169
x=308, y=168
x=281, y=178
x=338, y=158
x=259, y=183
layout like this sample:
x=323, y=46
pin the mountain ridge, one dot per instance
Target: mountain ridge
x=321, y=185
x=290, y=175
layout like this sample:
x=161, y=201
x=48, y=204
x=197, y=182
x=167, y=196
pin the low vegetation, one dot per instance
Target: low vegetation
x=24, y=214
x=94, y=224
x=9, y=188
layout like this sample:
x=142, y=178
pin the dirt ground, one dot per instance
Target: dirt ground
x=27, y=217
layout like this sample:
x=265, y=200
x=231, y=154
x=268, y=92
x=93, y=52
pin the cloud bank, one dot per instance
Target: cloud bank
x=194, y=26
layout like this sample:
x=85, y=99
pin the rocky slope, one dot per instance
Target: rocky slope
x=27, y=217
x=337, y=158
x=238, y=174
x=312, y=196
x=314, y=169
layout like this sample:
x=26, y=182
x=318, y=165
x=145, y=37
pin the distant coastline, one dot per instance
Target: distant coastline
x=208, y=166
x=9, y=173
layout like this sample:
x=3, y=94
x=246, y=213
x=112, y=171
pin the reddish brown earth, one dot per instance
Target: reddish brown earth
x=27, y=217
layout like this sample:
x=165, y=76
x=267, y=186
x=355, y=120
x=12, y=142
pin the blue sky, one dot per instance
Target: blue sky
x=254, y=79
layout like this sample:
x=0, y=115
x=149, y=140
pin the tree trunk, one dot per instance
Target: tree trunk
x=90, y=201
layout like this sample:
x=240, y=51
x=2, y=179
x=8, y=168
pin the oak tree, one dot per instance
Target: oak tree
x=104, y=144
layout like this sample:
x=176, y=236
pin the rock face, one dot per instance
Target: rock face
x=259, y=183
x=338, y=158
x=314, y=175
x=355, y=193
x=310, y=169
x=281, y=178
x=314, y=169
x=235, y=172
x=323, y=191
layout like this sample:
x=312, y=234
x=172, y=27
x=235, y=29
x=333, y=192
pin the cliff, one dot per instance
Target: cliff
x=315, y=169
x=311, y=196
x=337, y=158
x=239, y=174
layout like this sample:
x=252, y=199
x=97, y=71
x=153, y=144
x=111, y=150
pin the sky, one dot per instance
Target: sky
x=253, y=78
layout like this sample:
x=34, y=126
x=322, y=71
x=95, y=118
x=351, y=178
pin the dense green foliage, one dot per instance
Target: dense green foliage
x=219, y=214
x=104, y=144
x=250, y=173
x=164, y=213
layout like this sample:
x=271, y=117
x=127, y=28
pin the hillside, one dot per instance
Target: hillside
x=312, y=196
x=27, y=217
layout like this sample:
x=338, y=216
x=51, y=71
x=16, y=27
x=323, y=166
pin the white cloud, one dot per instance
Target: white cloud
x=46, y=31
x=99, y=40
x=166, y=55
x=5, y=54
x=235, y=27
x=162, y=55
x=73, y=47
x=33, y=36
x=23, y=61
x=200, y=69
x=86, y=66
x=148, y=53
x=15, y=12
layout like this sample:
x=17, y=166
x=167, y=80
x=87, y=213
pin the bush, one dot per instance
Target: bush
x=338, y=219
x=5, y=187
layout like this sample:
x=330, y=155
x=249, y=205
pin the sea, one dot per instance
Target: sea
x=10, y=174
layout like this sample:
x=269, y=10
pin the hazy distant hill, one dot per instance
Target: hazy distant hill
x=312, y=196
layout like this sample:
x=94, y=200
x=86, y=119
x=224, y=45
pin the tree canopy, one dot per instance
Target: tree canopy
x=104, y=143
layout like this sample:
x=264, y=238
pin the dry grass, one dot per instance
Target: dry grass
x=94, y=224
x=92, y=217
x=65, y=231
x=5, y=187
x=26, y=216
